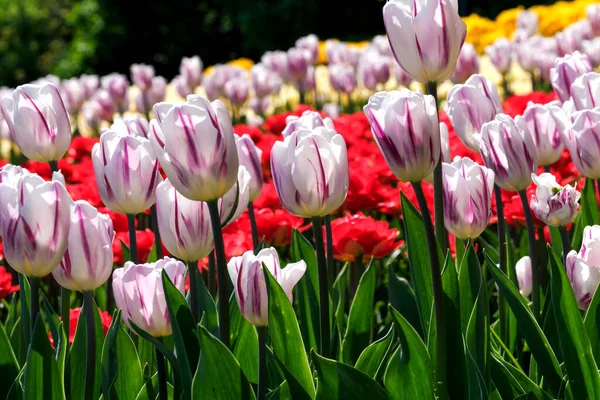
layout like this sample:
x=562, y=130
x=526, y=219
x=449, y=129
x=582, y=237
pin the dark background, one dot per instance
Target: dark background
x=71, y=37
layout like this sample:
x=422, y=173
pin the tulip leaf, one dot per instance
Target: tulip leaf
x=340, y=292
x=418, y=259
x=125, y=251
x=282, y=392
x=474, y=323
x=284, y=332
x=592, y=325
x=511, y=382
x=409, y=372
x=528, y=326
x=582, y=370
x=218, y=376
x=78, y=356
x=153, y=256
x=207, y=305
x=588, y=214
x=360, y=321
x=374, y=356
x=150, y=390
x=341, y=381
x=402, y=297
x=307, y=290
x=9, y=368
x=295, y=389
x=42, y=378
x=245, y=344
x=110, y=362
x=23, y=334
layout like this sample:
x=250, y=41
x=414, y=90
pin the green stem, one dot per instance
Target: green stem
x=212, y=285
x=53, y=166
x=154, y=224
x=162, y=376
x=502, y=258
x=133, y=253
x=505, y=88
x=323, y=287
x=215, y=219
x=262, y=362
x=547, y=168
x=566, y=243
x=65, y=309
x=90, y=367
x=330, y=259
x=438, y=294
x=25, y=329
x=34, y=302
x=253, y=227
x=535, y=272
x=193, y=274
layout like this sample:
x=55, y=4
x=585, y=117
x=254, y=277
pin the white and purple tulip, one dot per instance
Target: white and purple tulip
x=133, y=125
x=190, y=70
x=142, y=75
x=308, y=120
x=524, y=277
x=566, y=70
x=500, y=54
x=553, y=204
x=585, y=91
x=582, y=139
x=583, y=268
x=541, y=121
x=467, y=64
x=249, y=157
x=310, y=43
x=237, y=91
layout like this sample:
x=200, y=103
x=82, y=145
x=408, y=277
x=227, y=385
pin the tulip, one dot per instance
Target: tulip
x=585, y=91
x=583, y=142
x=508, y=149
x=583, y=268
x=237, y=91
x=342, y=78
x=277, y=61
x=39, y=122
x=466, y=65
x=184, y=224
x=308, y=120
x=591, y=48
x=310, y=172
x=310, y=43
x=298, y=62
x=132, y=125
x=246, y=273
x=264, y=81
x=593, y=15
x=566, y=70
x=117, y=87
x=402, y=77
x=470, y=106
x=11, y=174
x=406, y=129
x=500, y=54
x=35, y=221
x=249, y=157
x=523, y=270
x=73, y=94
x=373, y=69
x=544, y=130
x=126, y=172
x=259, y=106
x=382, y=45
x=233, y=204
x=156, y=92
x=190, y=70
x=544, y=61
x=142, y=75
x=139, y=293
x=88, y=261
x=425, y=37
x=553, y=204
x=181, y=86
x=103, y=105
x=525, y=51
x=468, y=190
x=197, y=151
x=90, y=83
x=527, y=21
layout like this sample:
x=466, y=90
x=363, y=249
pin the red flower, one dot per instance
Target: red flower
x=516, y=105
x=361, y=236
x=268, y=197
x=237, y=243
x=74, y=318
x=276, y=123
x=275, y=226
x=145, y=241
x=6, y=286
x=119, y=220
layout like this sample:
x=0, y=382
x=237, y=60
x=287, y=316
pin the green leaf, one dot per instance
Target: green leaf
x=245, y=346
x=373, y=357
x=42, y=379
x=528, y=326
x=511, y=382
x=418, y=258
x=307, y=290
x=284, y=332
x=341, y=381
x=185, y=336
x=109, y=360
x=150, y=390
x=409, y=373
x=340, y=292
x=125, y=251
x=25, y=328
x=282, y=392
x=588, y=214
x=295, y=389
x=218, y=375
x=153, y=256
x=360, y=321
x=474, y=323
x=402, y=297
x=9, y=368
x=592, y=325
x=582, y=370
x=207, y=305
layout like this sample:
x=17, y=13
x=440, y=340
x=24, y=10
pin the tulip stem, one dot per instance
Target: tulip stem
x=505, y=87
x=53, y=167
x=330, y=259
x=262, y=362
x=65, y=309
x=566, y=243
x=323, y=287
x=212, y=286
x=438, y=294
x=502, y=259
x=133, y=253
x=193, y=274
x=535, y=271
x=154, y=224
x=253, y=227
x=162, y=375
x=90, y=364
x=221, y=263
x=34, y=303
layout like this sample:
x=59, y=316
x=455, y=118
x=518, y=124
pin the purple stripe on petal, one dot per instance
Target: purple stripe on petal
x=387, y=146
x=192, y=151
x=51, y=134
x=56, y=218
x=87, y=252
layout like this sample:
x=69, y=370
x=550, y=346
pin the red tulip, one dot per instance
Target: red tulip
x=6, y=279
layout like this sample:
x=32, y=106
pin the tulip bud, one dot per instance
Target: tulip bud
x=508, y=149
x=39, y=122
x=585, y=91
x=117, y=87
x=34, y=217
x=544, y=130
x=246, y=273
x=527, y=21
x=342, y=78
x=191, y=71
x=250, y=156
x=406, y=129
x=308, y=120
x=156, y=92
x=90, y=84
x=470, y=106
x=88, y=261
x=298, y=62
x=466, y=65
x=139, y=293
x=181, y=86
x=310, y=172
x=525, y=52
x=73, y=94
x=277, y=61
x=553, y=204
x=426, y=37
x=468, y=190
x=591, y=48
x=126, y=172
x=566, y=70
x=382, y=45
x=103, y=105
x=237, y=91
x=593, y=15
x=583, y=268
x=198, y=148
x=310, y=43
x=142, y=75
x=132, y=125
x=500, y=54
x=264, y=81
x=583, y=142
x=184, y=224
x=233, y=204
x=373, y=69
x=524, y=279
